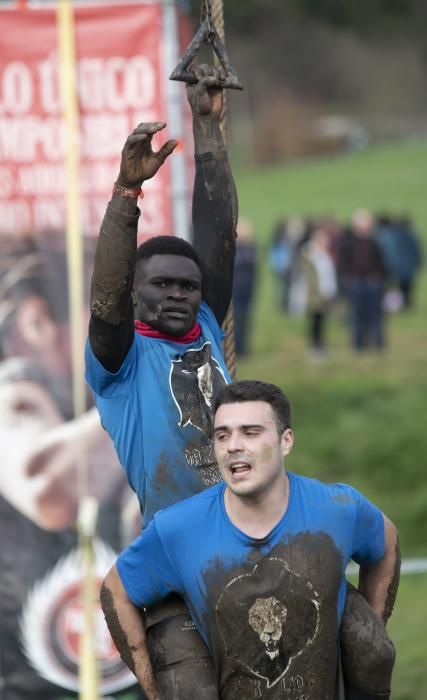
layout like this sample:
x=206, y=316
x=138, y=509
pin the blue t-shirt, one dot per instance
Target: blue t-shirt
x=158, y=410
x=268, y=609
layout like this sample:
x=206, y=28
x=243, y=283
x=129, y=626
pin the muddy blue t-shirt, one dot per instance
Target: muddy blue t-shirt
x=268, y=609
x=158, y=410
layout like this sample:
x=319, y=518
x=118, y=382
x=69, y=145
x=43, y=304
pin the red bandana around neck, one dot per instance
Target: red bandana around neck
x=144, y=329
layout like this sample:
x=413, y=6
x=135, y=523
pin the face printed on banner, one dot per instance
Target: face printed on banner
x=167, y=293
x=41, y=453
x=27, y=410
x=118, y=81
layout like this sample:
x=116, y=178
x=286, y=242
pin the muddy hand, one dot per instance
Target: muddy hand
x=206, y=95
x=139, y=161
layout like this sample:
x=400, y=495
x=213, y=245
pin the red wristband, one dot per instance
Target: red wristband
x=127, y=191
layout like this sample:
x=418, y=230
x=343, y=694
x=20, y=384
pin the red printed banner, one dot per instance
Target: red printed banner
x=122, y=77
x=122, y=81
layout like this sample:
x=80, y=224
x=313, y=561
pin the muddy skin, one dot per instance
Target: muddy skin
x=111, y=329
x=215, y=214
x=115, y=628
x=368, y=655
x=275, y=621
x=394, y=585
x=153, y=315
x=114, y=266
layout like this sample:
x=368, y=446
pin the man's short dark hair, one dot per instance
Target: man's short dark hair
x=166, y=245
x=253, y=390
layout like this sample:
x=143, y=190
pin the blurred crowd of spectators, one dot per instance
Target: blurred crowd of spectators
x=371, y=263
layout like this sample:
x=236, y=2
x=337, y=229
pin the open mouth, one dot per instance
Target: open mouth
x=240, y=468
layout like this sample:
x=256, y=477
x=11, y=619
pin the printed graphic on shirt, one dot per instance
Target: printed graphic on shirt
x=52, y=621
x=278, y=617
x=272, y=618
x=195, y=381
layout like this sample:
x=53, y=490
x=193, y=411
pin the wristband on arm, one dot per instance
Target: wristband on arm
x=128, y=191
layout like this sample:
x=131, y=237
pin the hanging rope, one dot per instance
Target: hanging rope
x=228, y=325
x=211, y=32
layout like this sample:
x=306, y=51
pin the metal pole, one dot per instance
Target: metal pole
x=87, y=507
x=175, y=120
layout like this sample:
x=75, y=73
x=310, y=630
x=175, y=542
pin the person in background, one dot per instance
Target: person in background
x=362, y=274
x=321, y=287
x=280, y=260
x=299, y=232
x=245, y=273
x=410, y=258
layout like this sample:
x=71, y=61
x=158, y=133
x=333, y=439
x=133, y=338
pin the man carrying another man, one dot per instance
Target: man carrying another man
x=156, y=379
x=260, y=561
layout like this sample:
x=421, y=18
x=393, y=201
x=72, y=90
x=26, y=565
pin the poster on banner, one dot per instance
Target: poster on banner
x=122, y=80
x=41, y=572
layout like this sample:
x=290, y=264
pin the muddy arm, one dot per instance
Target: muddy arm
x=379, y=583
x=214, y=196
x=111, y=324
x=127, y=629
x=111, y=321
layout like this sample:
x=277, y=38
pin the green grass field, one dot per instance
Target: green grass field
x=360, y=419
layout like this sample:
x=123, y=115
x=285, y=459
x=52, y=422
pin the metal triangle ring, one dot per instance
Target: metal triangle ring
x=206, y=34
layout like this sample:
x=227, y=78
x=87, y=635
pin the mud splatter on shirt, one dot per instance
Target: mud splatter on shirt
x=158, y=410
x=268, y=609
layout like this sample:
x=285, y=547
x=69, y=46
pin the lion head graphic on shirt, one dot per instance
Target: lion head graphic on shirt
x=275, y=610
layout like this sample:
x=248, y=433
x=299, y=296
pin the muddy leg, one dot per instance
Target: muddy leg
x=367, y=653
x=181, y=660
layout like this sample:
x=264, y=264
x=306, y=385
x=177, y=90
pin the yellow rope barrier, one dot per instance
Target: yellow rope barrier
x=87, y=514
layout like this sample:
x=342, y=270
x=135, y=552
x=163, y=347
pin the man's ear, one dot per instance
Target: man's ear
x=134, y=297
x=287, y=441
x=35, y=323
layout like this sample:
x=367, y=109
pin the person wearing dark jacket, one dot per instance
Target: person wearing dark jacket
x=362, y=275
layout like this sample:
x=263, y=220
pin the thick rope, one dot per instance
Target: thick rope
x=228, y=325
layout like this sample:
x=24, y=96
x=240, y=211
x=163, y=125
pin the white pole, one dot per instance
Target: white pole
x=175, y=120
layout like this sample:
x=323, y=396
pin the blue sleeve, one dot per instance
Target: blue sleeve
x=109, y=384
x=368, y=537
x=207, y=320
x=146, y=570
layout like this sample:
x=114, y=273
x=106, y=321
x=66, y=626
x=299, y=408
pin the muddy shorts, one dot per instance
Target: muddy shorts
x=180, y=658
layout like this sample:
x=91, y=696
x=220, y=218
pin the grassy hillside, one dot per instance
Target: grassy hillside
x=388, y=177
x=358, y=418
